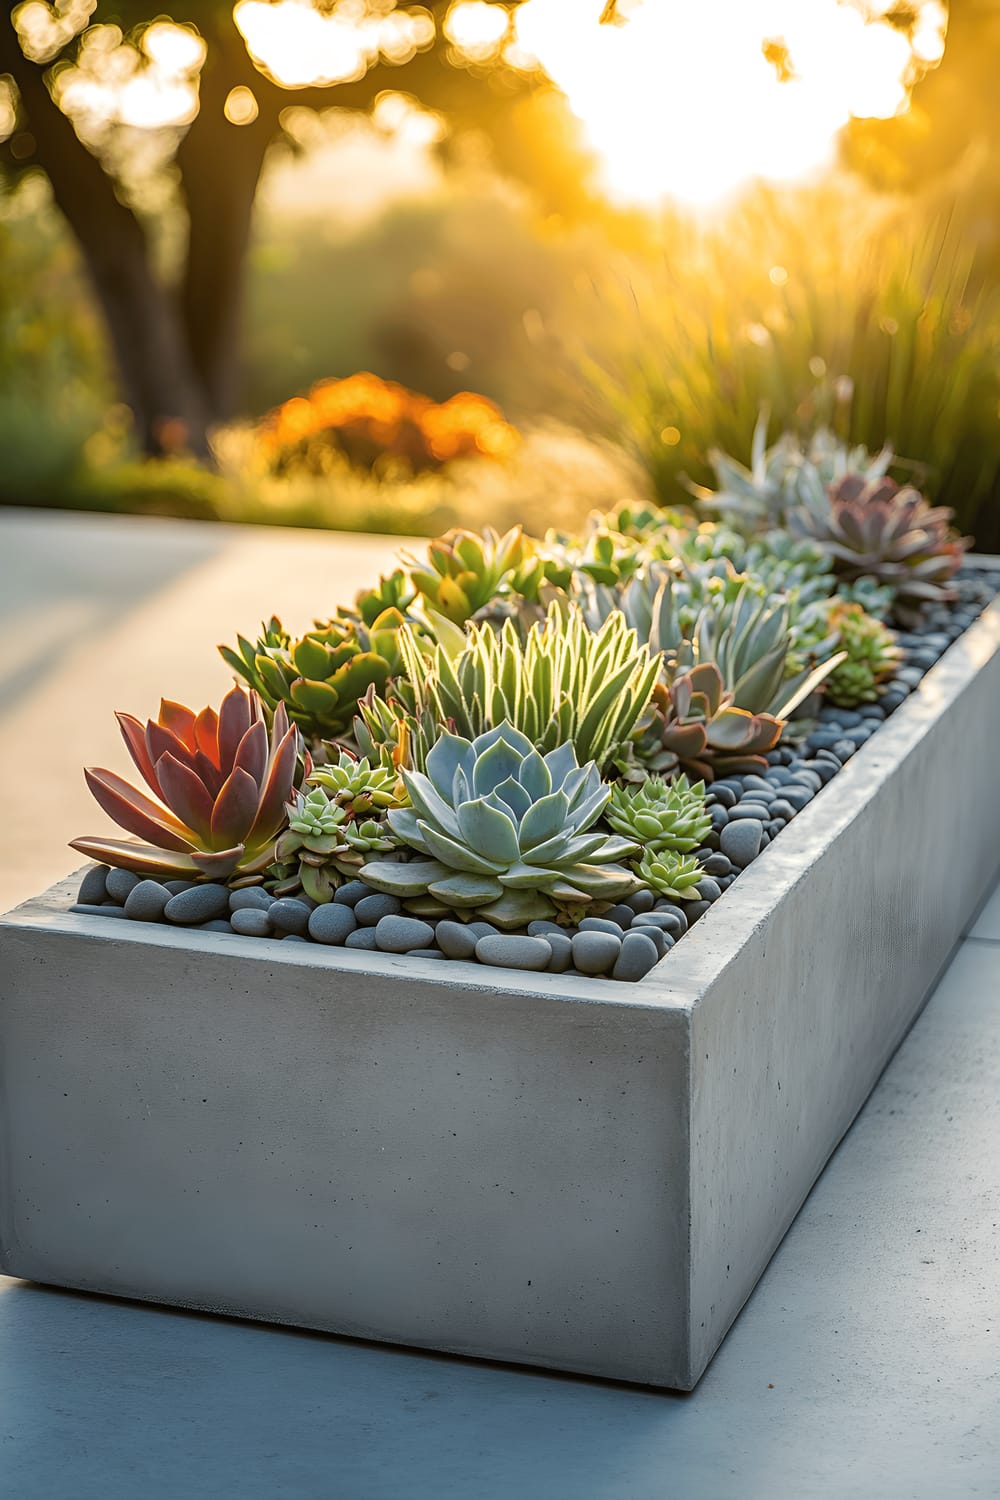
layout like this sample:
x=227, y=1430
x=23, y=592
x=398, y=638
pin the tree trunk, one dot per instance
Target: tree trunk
x=220, y=166
x=158, y=379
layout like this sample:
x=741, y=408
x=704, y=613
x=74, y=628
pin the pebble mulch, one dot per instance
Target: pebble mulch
x=747, y=813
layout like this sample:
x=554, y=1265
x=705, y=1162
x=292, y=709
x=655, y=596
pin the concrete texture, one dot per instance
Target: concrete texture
x=863, y=1368
x=374, y=1145
x=987, y=923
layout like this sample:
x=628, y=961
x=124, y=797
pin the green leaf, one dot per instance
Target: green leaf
x=311, y=659
x=455, y=855
x=466, y=890
x=488, y=830
x=410, y=879
x=517, y=908
x=544, y=820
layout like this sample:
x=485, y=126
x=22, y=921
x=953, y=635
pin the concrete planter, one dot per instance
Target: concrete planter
x=554, y=1171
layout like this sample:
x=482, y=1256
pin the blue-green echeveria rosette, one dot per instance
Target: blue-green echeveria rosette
x=506, y=833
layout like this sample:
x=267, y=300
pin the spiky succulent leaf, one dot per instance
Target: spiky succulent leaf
x=562, y=685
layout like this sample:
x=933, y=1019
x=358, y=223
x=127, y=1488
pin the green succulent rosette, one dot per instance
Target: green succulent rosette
x=324, y=845
x=659, y=815
x=504, y=832
x=670, y=874
x=872, y=657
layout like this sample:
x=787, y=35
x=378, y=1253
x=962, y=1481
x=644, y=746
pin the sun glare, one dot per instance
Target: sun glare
x=679, y=100
x=691, y=101
x=299, y=45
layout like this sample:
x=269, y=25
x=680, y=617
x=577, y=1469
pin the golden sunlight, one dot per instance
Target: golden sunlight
x=300, y=45
x=692, y=101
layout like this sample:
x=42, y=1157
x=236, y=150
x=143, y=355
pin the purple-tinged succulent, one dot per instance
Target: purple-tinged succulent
x=877, y=529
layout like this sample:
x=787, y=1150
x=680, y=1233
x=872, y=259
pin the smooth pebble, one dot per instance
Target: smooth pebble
x=396, y=934
x=331, y=924
x=509, y=951
x=119, y=883
x=146, y=901
x=202, y=903
x=250, y=921
x=289, y=915
x=741, y=841
x=92, y=886
x=638, y=955
x=596, y=952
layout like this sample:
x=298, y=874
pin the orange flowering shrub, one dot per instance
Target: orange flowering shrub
x=368, y=421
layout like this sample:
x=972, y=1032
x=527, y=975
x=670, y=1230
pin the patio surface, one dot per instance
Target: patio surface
x=866, y=1365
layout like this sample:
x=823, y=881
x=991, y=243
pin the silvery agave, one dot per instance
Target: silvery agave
x=779, y=477
x=751, y=635
x=506, y=833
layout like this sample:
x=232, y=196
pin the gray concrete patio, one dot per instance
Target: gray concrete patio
x=866, y=1364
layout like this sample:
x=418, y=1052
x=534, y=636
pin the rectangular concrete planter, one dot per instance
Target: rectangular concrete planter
x=550, y=1170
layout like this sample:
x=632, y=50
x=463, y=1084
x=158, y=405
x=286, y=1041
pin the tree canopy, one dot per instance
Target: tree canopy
x=176, y=346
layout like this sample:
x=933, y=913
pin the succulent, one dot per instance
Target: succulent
x=872, y=656
x=395, y=592
x=693, y=725
x=875, y=598
x=507, y=833
x=603, y=555
x=756, y=639
x=336, y=825
x=467, y=571
x=778, y=478
x=660, y=815
x=880, y=530
x=562, y=684
x=324, y=845
x=359, y=785
x=671, y=874
x=221, y=781
x=320, y=676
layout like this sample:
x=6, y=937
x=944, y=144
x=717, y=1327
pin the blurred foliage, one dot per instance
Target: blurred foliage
x=878, y=309
x=441, y=293
x=375, y=423
x=55, y=390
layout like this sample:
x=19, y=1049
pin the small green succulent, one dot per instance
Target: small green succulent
x=465, y=571
x=321, y=675
x=671, y=874
x=872, y=657
x=336, y=825
x=359, y=785
x=505, y=833
x=660, y=815
x=324, y=845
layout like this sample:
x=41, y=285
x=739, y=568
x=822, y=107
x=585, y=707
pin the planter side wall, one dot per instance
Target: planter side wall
x=404, y=1158
x=862, y=913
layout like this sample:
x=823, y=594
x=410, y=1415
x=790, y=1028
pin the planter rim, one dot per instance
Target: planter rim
x=685, y=975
